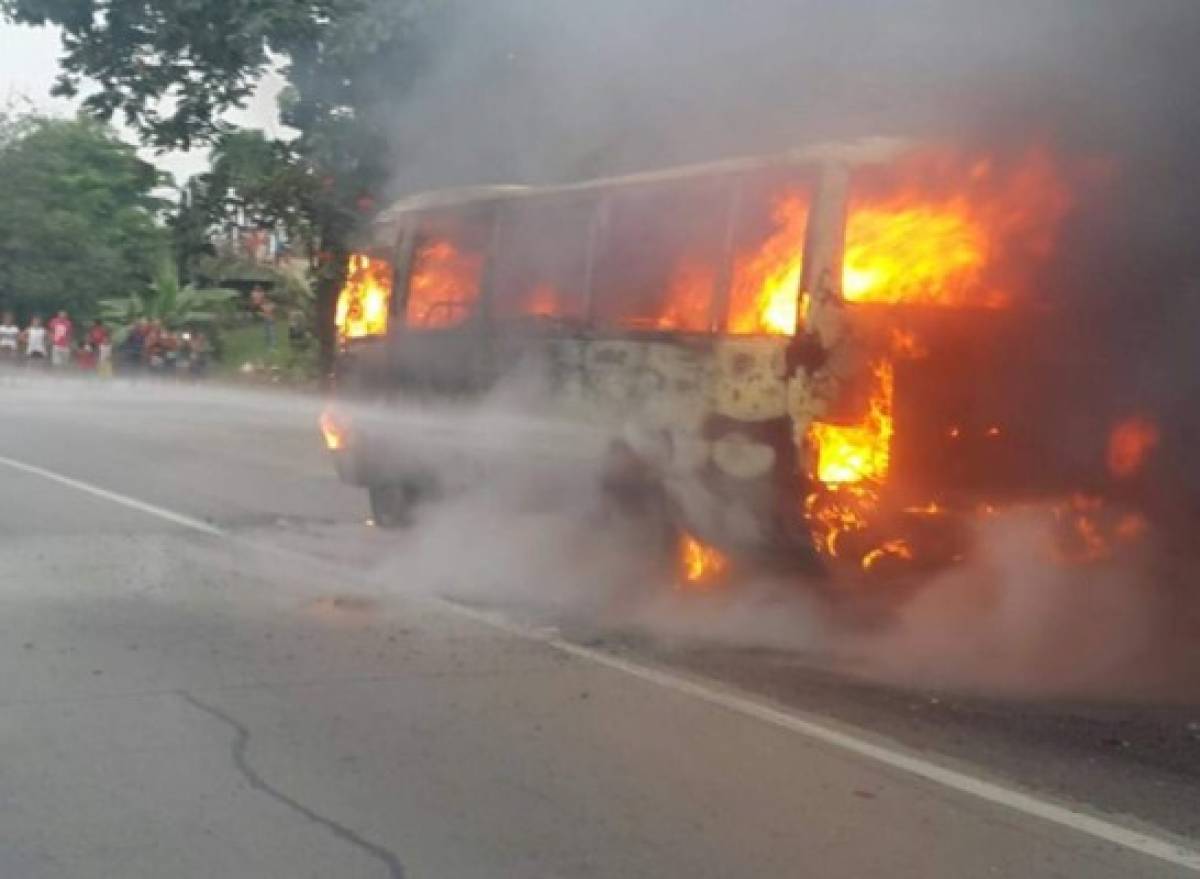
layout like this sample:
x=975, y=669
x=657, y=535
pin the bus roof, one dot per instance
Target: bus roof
x=864, y=151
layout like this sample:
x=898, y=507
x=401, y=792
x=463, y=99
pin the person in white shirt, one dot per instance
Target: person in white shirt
x=10, y=335
x=35, y=339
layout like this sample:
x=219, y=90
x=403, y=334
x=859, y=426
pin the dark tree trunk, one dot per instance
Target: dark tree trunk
x=331, y=273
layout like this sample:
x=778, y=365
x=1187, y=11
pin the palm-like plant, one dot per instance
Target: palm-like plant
x=167, y=301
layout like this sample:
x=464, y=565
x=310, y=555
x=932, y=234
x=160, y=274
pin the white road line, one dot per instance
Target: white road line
x=740, y=703
x=114, y=497
x=893, y=757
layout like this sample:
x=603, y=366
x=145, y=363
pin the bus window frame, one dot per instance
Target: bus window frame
x=405, y=245
x=729, y=186
x=504, y=214
x=825, y=248
x=822, y=249
x=480, y=316
x=719, y=307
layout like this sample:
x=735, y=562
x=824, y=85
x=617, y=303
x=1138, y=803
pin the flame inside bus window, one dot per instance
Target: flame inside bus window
x=657, y=265
x=447, y=270
x=947, y=228
x=851, y=453
x=765, y=287
x=362, y=305
x=541, y=262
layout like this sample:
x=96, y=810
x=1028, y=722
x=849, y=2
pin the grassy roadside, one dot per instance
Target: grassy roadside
x=244, y=355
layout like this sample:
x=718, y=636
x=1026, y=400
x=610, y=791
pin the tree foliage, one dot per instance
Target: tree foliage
x=165, y=300
x=77, y=216
x=172, y=68
x=253, y=181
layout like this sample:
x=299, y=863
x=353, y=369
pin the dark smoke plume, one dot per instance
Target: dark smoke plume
x=540, y=91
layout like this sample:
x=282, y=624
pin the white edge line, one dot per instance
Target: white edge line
x=988, y=791
x=997, y=794
x=114, y=497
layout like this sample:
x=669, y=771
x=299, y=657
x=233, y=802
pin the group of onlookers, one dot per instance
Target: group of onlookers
x=151, y=346
x=148, y=346
x=54, y=343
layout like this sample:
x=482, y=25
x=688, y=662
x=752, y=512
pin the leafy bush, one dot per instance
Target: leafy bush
x=166, y=301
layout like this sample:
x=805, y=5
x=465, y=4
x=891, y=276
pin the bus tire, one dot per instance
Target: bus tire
x=391, y=505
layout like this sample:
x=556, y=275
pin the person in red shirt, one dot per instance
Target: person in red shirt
x=61, y=331
x=93, y=344
x=97, y=335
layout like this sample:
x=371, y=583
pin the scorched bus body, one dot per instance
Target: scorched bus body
x=800, y=364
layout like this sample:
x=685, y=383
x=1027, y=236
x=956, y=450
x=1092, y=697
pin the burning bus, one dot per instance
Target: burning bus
x=835, y=357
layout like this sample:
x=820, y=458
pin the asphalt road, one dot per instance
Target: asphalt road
x=211, y=666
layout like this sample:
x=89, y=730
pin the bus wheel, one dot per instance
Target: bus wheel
x=391, y=505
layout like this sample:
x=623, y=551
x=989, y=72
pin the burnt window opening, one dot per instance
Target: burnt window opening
x=541, y=265
x=768, y=249
x=659, y=261
x=446, y=277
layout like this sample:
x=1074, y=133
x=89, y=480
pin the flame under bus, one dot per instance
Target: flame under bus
x=827, y=356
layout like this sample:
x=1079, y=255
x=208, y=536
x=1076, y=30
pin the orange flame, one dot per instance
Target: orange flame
x=766, y=282
x=894, y=549
x=837, y=512
x=689, y=297
x=905, y=345
x=444, y=285
x=937, y=228
x=1091, y=532
x=940, y=228
x=542, y=301
x=858, y=452
x=362, y=305
x=1129, y=445
x=334, y=431
x=700, y=566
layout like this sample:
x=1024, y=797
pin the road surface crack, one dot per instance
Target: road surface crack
x=241, y=743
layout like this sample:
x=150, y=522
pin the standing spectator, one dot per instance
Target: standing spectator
x=297, y=329
x=264, y=310
x=169, y=345
x=104, y=359
x=153, y=349
x=35, y=340
x=134, y=345
x=100, y=344
x=61, y=331
x=10, y=336
x=97, y=335
x=183, y=355
x=89, y=353
x=200, y=354
x=268, y=316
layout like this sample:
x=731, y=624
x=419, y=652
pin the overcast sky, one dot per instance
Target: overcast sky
x=29, y=63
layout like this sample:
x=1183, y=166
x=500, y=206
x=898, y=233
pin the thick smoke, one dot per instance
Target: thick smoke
x=536, y=91
x=1013, y=618
x=528, y=531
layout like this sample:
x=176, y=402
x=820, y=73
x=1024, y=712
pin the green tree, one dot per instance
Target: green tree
x=253, y=181
x=167, y=301
x=77, y=216
x=171, y=68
